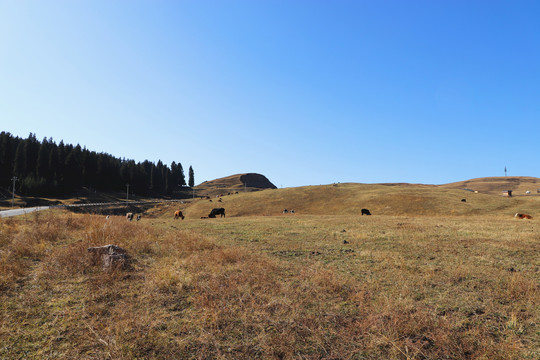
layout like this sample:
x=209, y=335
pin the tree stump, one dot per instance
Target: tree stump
x=111, y=257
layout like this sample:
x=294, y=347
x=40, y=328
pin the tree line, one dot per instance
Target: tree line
x=47, y=168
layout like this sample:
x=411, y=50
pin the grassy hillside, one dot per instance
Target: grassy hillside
x=380, y=199
x=496, y=185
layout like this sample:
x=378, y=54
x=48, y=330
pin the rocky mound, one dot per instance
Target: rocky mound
x=251, y=181
x=256, y=181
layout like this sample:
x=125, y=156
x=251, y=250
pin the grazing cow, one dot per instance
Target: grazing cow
x=129, y=216
x=292, y=211
x=523, y=216
x=178, y=214
x=108, y=217
x=365, y=212
x=285, y=211
x=528, y=192
x=138, y=217
x=217, y=211
x=463, y=200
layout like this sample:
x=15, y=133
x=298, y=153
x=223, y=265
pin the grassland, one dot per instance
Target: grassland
x=442, y=280
x=349, y=199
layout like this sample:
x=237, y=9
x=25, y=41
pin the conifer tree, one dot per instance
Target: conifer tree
x=19, y=164
x=191, y=181
x=47, y=168
x=42, y=168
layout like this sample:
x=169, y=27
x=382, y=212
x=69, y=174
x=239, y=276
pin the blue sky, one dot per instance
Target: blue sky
x=304, y=92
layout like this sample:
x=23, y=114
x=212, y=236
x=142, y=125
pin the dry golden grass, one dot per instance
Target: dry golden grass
x=496, y=185
x=277, y=287
x=349, y=199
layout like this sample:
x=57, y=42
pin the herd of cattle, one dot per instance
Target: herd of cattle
x=221, y=212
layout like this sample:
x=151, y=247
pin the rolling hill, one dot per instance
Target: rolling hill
x=496, y=185
x=381, y=199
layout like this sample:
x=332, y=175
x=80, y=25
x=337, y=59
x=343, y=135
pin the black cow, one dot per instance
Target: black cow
x=365, y=212
x=217, y=211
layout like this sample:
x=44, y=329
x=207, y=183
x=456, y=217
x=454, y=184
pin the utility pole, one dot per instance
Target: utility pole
x=127, y=192
x=13, y=196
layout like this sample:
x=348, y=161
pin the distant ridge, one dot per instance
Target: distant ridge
x=496, y=185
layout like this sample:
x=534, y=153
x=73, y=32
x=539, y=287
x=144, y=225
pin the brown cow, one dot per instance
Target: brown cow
x=523, y=216
x=178, y=214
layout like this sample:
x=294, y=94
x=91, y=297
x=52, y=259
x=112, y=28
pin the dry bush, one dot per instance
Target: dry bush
x=519, y=288
x=10, y=269
x=169, y=276
x=7, y=229
x=66, y=261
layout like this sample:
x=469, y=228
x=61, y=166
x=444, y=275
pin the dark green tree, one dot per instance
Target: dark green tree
x=42, y=168
x=19, y=162
x=6, y=159
x=191, y=181
x=47, y=168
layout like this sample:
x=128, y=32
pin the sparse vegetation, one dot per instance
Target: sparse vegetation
x=280, y=287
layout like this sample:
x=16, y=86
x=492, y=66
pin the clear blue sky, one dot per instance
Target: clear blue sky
x=304, y=92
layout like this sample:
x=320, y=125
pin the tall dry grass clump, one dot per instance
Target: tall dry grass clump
x=22, y=243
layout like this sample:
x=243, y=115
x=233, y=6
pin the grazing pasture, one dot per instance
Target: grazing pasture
x=310, y=286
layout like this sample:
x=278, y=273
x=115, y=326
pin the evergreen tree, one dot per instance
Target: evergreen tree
x=45, y=168
x=60, y=162
x=191, y=181
x=19, y=164
x=6, y=159
x=180, y=174
x=53, y=166
x=42, y=168
x=31, y=154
